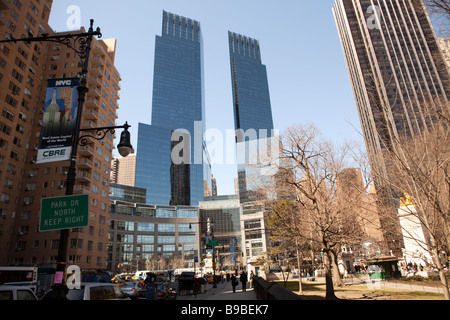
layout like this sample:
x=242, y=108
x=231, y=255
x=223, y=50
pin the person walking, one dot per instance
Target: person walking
x=234, y=282
x=244, y=279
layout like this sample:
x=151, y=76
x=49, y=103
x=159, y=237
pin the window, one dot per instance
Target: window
x=165, y=213
x=186, y=227
x=186, y=239
x=8, y=115
x=166, y=239
x=149, y=227
x=14, y=89
x=145, y=239
x=102, y=292
x=76, y=243
x=16, y=75
x=33, y=8
x=11, y=101
x=20, y=63
x=125, y=226
x=166, y=227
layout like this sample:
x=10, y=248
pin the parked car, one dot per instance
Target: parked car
x=89, y=291
x=162, y=291
x=132, y=288
x=16, y=293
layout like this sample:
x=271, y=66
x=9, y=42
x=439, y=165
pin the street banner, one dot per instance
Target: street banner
x=59, y=120
x=196, y=255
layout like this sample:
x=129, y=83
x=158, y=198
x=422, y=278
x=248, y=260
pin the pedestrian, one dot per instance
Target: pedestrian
x=251, y=279
x=243, y=279
x=234, y=282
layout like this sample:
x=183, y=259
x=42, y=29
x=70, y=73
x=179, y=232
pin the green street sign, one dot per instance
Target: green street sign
x=64, y=212
x=213, y=243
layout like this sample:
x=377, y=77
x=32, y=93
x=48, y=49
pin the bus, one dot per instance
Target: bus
x=19, y=276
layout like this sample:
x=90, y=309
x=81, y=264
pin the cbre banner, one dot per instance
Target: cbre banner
x=59, y=120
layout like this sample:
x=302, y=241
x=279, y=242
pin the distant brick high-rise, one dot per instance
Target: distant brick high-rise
x=24, y=70
x=123, y=170
x=213, y=186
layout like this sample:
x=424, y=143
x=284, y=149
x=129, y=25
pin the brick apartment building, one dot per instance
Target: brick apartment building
x=24, y=71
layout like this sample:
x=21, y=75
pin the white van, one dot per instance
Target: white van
x=91, y=291
x=16, y=293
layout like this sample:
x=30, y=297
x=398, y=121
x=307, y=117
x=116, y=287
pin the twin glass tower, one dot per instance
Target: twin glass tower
x=172, y=162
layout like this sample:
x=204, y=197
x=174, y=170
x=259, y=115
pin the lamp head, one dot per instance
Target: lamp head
x=124, y=146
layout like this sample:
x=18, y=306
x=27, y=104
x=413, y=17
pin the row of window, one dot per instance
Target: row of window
x=150, y=227
x=72, y=259
x=54, y=244
x=151, y=212
x=129, y=238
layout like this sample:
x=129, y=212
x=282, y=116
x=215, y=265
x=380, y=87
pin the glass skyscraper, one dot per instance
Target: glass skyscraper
x=252, y=110
x=178, y=114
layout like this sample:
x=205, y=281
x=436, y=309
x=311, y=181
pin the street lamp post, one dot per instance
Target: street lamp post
x=198, y=250
x=80, y=43
x=124, y=147
x=210, y=235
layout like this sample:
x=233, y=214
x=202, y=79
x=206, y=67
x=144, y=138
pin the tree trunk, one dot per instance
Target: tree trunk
x=442, y=276
x=437, y=262
x=328, y=276
x=300, y=288
x=337, y=280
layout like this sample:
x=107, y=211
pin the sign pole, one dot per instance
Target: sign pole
x=71, y=174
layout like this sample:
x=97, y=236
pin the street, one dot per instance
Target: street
x=224, y=291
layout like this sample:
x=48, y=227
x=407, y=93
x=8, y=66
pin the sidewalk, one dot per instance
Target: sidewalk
x=224, y=291
x=398, y=285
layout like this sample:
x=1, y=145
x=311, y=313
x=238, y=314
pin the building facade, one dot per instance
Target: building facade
x=145, y=236
x=444, y=45
x=123, y=170
x=24, y=71
x=150, y=237
x=398, y=76
x=252, y=111
x=255, y=139
x=172, y=162
x=415, y=236
x=396, y=70
x=224, y=214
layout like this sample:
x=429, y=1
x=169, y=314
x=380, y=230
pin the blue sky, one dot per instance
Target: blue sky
x=308, y=78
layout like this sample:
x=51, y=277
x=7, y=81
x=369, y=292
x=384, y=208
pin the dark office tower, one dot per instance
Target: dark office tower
x=251, y=106
x=396, y=70
x=178, y=115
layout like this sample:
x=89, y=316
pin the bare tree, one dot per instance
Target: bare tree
x=438, y=6
x=439, y=13
x=320, y=212
x=286, y=225
x=419, y=168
